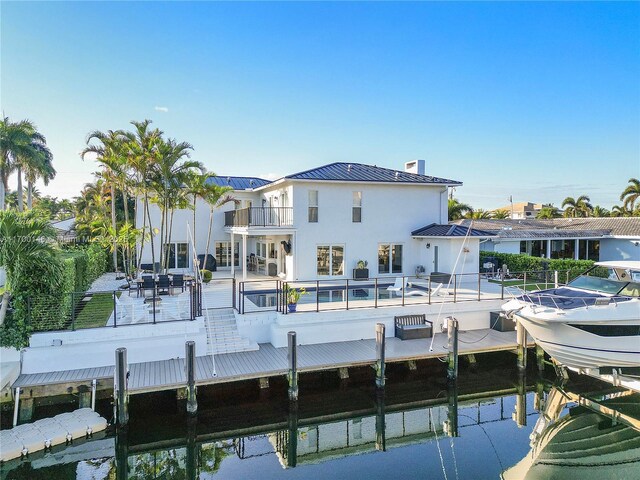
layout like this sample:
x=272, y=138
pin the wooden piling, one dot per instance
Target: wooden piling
x=122, y=393
x=122, y=453
x=521, y=348
x=16, y=405
x=191, y=463
x=94, y=388
x=540, y=358
x=190, y=365
x=292, y=358
x=380, y=351
x=452, y=357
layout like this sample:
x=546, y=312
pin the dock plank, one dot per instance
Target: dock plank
x=270, y=361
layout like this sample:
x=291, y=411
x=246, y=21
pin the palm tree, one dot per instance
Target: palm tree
x=500, y=214
x=39, y=167
x=197, y=186
x=631, y=194
x=216, y=197
x=169, y=173
x=620, y=211
x=141, y=151
x=20, y=144
x=478, y=214
x=458, y=210
x=599, y=211
x=109, y=154
x=25, y=249
x=548, y=211
x=579, y=207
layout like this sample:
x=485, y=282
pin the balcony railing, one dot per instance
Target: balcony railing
x=259, y=217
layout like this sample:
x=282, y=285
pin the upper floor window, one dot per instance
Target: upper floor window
x=356, y=210
x=313, y=206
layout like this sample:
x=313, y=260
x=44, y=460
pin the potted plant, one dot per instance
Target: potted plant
x=361, y=272
x=293, y=296
x=206, y=275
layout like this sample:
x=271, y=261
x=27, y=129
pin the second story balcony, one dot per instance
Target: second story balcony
x=259, y=217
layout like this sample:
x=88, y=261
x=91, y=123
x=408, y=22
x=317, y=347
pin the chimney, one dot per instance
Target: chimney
x=415, y=166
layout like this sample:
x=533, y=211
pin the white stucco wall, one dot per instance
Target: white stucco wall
x=507, y=246
x=389, y=214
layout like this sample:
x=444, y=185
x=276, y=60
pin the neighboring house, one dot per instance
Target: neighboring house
x=596, y=238
x=319, y=223
x=65, y=229
x=521, y=210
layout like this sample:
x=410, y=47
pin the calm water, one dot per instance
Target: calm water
x=419, y=429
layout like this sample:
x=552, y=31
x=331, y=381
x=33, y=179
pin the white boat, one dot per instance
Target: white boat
x=592, y=322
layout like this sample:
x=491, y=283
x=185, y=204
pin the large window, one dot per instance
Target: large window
x=223, y=254
x=389, y=258
x=563, y=248
x=178, y=255
x=313, y=206
x=356, y=210
x=589, y=250
x=330, y=260
x=535, y=248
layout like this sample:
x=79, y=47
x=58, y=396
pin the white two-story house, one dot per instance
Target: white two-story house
x=318, y=224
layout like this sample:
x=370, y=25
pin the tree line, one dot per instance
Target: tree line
x=572, y=207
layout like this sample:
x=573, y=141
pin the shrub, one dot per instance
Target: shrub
x=520, y=262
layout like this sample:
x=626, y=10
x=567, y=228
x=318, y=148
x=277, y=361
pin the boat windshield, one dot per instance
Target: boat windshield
x=597, y=284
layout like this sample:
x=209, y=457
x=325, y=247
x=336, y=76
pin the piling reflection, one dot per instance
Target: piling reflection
x=573, y=432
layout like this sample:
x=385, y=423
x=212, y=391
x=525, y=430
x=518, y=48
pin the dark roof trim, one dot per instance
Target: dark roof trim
x=456, y=231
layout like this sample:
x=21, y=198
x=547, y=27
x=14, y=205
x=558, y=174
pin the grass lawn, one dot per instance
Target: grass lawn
x=518, y=283
x=95, y=312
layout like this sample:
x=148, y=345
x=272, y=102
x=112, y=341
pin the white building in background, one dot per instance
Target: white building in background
x=318, y=224
x=594, y=238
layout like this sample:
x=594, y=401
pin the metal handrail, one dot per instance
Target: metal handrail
x=259, y=217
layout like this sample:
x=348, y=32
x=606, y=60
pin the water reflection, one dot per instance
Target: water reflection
x=597, y=438
x=468, y=430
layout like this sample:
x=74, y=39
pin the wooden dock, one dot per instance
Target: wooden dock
x=269, y=361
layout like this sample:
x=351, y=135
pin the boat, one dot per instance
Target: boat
x=593, y=322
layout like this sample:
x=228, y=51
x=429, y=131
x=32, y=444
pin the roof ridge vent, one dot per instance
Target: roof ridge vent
x=228, y=180
x=397, y=173
x=349, y=168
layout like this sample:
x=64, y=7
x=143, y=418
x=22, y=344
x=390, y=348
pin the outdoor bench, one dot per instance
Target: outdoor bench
x=412, y=326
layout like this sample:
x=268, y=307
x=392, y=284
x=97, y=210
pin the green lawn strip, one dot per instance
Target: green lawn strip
x=529, y=286
x=96, y=311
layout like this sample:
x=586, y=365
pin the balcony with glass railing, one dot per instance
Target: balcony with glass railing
x=259, y=217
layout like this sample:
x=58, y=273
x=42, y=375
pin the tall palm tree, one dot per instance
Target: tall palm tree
x=141, y=151
x=579, y=207
x=458, y=210
x=40, y=166
x=620, y=211
x=216, y=197
x=20, y=143
x=109, y=153
x=168, y=174
x=631, y=194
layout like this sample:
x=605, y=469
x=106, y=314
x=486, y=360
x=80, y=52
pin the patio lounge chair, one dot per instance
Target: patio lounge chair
x=147, y=284
x=177, y=282
x=397, y=286
x=164, y=284
x=176, y=308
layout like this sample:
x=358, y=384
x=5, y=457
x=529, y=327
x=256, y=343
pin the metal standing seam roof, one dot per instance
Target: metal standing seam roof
x=358, y=172
x=437, y=230
x=239, y=183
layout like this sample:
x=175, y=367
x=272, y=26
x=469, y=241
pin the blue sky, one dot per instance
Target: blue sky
x=535, y=100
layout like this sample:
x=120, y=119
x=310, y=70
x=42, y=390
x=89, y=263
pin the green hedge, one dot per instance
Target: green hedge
x=519, y=262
